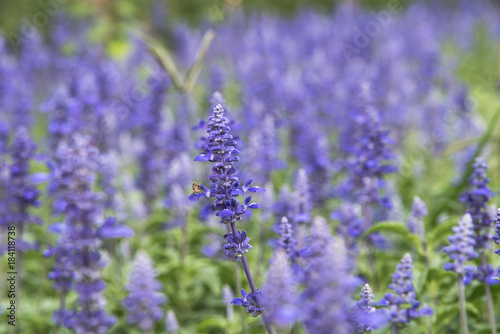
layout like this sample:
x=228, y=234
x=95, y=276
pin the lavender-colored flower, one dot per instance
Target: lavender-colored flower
x=144, y=300
x=496, y=238
x=171, y=324
x=476, y=198
x=73, y=181
x=21, y=194
x=461, y=248
x=253, y=301
x=302, y=200
x=371, y=158
x=351, y=224
x=418, y=212
x=402, y=284
x=281, y=291
x=221, y=150
x=237, y=244
x=328, y=287
x=365, y=311
x=286, y=240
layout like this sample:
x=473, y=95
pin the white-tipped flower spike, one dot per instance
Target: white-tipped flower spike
x=461, y=248
x=171, y=324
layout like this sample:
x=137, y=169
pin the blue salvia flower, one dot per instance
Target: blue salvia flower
x=21, y=193
x=286, y=240
x=418, y=212
x=371, y=159
x=264, y=149
x=366, y=316
x=73, y=181
x=476, y=198
x=496, y=238
x=151, y=159
x=328, y=287
x=237, y=245
x=461, y=248
x=171, y=324
x=227, y=297
x=144, y=299
x=285, y=205
x=220, y=149
x=254, y=302
x=302, y=199
x=281, y=291
x=402, y=305
x=351, y=225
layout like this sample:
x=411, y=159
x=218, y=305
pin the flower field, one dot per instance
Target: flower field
x=326, y=172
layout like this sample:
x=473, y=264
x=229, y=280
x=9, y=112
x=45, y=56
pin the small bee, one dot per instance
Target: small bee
x=197, y=189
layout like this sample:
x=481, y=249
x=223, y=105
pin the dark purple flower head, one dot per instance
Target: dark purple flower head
x=221, y=150
x=253, y=301
x=476, y=198
x=144, y=300
x=461, y=248
x=237, y=244
x=402, y=284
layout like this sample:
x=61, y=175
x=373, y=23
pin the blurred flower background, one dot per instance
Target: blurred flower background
x=232, y=166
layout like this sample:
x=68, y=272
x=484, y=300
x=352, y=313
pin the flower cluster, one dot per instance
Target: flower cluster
x=144, y=300
x=238, y=244
x=476, y=198
x=365, y=311
x=402, y=284
x=461, y=248
x=253, y=301
x=418, y=212
x=221, y=150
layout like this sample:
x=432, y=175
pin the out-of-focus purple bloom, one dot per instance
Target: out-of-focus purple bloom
x=286, y=240
x=20, y=193
x=370, y=157
x=171, y=324
x=351, y=225
x=73, y=180
x=476, y=198
x=418, y=212
x=237, y=244
x=402, y=284
x=253, y=301
x=328, y=287
x=302, y=199
x=281, y=291
x=144, y=300
x=461, y=248
x=365, y=313
x=496, y=238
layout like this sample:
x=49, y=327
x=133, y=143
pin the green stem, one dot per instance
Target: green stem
x=463, y=312
x=489, y=300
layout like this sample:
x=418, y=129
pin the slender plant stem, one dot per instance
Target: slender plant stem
x=250, y=279
x=463, y=312
x=394, y=328
x=185, y=238
x=489, y=300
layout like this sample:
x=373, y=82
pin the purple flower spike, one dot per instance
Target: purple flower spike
x=402, y=284
x=461, y=248
x=144, y=300
x=418, y=212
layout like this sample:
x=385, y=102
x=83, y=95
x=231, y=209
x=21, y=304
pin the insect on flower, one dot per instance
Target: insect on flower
x=196, y=188
x=199, y=190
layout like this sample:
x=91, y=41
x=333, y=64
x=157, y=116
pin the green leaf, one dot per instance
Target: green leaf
x=441, y=232
x=163, y=55
x=398, y=229
x=194, y=71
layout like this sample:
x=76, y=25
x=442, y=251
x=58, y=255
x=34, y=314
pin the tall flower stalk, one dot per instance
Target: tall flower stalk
x=476, y=198
x=461, y=250
x=220, y=149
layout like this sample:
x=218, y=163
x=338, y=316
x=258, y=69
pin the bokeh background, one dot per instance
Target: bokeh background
x=293, y=74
